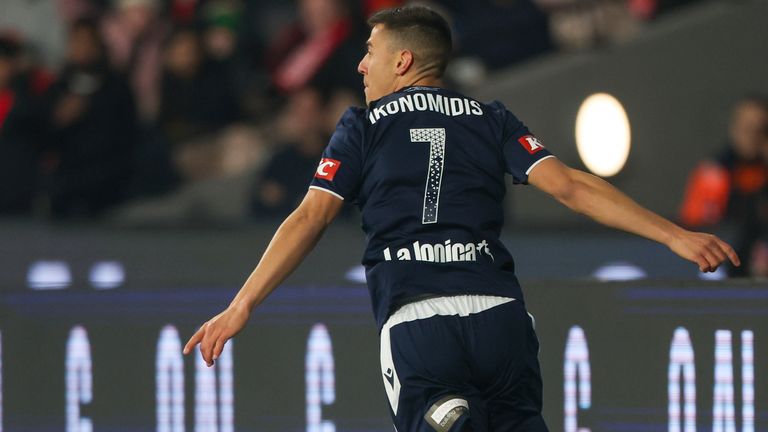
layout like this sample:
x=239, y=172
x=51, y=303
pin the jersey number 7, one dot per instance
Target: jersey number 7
x=436, y=139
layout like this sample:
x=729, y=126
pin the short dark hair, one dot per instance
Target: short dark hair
x=421, y=30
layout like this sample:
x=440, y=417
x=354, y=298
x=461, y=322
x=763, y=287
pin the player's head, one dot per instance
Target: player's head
x=406, y=44
x=749, y=123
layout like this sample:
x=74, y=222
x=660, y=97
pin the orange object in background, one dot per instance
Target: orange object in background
x=748, y=178
x=706, y=195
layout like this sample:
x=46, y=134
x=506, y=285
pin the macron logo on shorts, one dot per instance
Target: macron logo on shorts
x=327, y=169
x=531, y=143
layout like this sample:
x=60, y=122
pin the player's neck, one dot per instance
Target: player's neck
x=423, y=81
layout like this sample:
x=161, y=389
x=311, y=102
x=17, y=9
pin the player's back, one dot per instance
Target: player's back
x=429, y=180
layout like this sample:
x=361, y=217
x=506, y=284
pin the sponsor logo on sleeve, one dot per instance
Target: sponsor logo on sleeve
x=327, y=168
x=530, y=143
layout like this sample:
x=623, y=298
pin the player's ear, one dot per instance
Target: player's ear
x=404, y=62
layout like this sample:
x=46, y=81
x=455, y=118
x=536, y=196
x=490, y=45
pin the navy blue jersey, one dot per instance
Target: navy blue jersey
x=426, y=167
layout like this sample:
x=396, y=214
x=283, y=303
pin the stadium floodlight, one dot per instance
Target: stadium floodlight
x=603, y=134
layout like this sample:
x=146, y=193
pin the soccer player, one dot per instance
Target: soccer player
x=426, y=167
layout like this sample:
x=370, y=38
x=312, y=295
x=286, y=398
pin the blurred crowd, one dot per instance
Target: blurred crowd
x=149, y=97
x=107, y=102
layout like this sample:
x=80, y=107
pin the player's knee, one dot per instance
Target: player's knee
x=449, y=414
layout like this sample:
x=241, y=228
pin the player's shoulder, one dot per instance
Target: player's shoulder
x=503, y=115
x=498, y=108
x=352, y=117
x=351, y=122
x=350, y=127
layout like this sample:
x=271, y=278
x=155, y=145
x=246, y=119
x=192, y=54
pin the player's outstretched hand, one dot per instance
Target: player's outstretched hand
x=706, y=250
x=216, y=332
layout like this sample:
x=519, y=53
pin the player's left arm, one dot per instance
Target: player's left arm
x=598, y=199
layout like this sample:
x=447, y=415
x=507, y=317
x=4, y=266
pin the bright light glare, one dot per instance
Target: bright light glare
x=107, y=275
x=603, y=134
x=719, y=274
x=48, y=275
x=619, y=271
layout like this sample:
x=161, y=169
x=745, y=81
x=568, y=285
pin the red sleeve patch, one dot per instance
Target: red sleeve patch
x=327, y=168
x=530, y=143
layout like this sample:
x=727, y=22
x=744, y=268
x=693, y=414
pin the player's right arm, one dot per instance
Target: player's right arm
x=295, y=238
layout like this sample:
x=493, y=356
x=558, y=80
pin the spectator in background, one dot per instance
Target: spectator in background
x=321, y=50
x=728, y=188
x=221, y=20
x=93, y=128
x=752, y=237
x=578, y=25
x=134, y=34
x=724, y=188
x=182, y=12
x=285, y=178
x=20, y=132
x=197, y=101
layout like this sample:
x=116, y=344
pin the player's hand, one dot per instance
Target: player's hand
x=706, y=250
x=216, y=332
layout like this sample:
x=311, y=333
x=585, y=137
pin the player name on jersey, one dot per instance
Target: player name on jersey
x=439, y=252
x=450, y=106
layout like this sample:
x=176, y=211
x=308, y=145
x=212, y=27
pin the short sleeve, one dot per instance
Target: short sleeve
x=522, y=150
x=339, y=169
